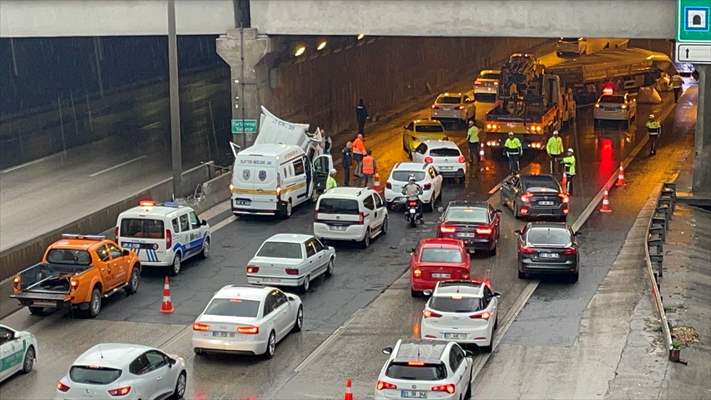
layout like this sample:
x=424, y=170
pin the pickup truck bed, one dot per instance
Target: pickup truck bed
x=46, y=283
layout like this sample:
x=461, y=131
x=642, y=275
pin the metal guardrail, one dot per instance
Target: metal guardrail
x=654, y=255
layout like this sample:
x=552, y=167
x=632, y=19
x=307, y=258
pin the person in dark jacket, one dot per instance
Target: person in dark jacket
x=347, y=159
x=361, y=116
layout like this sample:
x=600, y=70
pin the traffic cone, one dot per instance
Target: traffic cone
x=349, y=394
x=621, y=177
x=605, y=204
x=481, y=153
x=167, y=306
x=564, y=183
x=376, y=183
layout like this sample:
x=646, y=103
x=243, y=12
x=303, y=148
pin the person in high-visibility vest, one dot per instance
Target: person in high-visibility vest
x=473, y=142
x=513, y=150
x=331, y=180
x=569, y=163
x=654, y=129
x=554, y=148
x=677, y=84
x=368, y=168
x=358, y=154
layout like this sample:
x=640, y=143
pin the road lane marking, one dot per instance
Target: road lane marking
x=29, y=163
x=117, y=166
x=223, y=223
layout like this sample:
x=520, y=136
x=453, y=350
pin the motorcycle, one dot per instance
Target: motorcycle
x=412, y=211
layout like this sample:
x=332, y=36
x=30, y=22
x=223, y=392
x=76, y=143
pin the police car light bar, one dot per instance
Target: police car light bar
x=82, y=237
x=146, y=203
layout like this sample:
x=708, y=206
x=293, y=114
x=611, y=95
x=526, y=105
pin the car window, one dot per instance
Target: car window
x=445, y=152
x=233, y=308
x=612, y=99
x=194, y=220
x=156, y=359
x=429, y=128
x=115, y=251
x=369, y=203
x=422, y=148
x=184, y=223
x=268, y=305
x=279, y=298
x=409, y=126
x=317, y=245
x=176, y=226
x=540, y=182
x=425, y=372
x=5, y=334
x=93, y=375
x=310, y=250
x=103, y=253
x=456, y=357
x=141, y=228
x=456, y=304
x=299, y=167
x=378, y=201
x=485, y=97
x=433, y=254
x=469, y=215
x=543, y=236
x=281, y=250
x=140, y=365
x=448, y=100
x=338, y=206
x=487, y=296
x=404, y=176
x=70, y=256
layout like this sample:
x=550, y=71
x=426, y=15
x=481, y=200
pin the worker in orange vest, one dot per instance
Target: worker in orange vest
x=358, y=154
x=368, y=168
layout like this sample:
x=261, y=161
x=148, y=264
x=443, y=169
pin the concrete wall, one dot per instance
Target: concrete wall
x=385, y=72
x=521, y=18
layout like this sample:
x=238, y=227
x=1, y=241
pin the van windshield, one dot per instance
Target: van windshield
x=142, y=228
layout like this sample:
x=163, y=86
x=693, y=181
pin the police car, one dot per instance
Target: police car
x=163, y=235
x=18, y=352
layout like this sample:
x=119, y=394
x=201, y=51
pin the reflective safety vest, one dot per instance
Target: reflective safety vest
x=653, y=127
x=368, y=165
x=554, y=147
x=358, y=146
x=473, y=134
x=569, y=162
x=513, y=144
x=331, y=183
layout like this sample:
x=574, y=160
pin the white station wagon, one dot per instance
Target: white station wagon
x=287, y=259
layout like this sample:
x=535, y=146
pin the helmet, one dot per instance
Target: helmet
x=511, y=134
x=555, y=132
x=332, y=171
x=651, y=116
x=570, y=150
x=411, y=178
x=471, y=122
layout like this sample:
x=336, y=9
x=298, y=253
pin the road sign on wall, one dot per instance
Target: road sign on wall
x=244, y=126
x=693, y=31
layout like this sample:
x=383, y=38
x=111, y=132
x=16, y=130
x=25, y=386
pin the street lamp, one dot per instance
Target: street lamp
x=322, y=45
x=299, y=50
x=360, y=36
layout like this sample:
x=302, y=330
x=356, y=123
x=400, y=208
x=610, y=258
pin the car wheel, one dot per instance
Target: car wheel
x=522, y=275
x=415, y=293
x=135, y=280
x=573, y=278
x=39, y=311
x=468, y=394
x=366, y=239
x=288, y=210
x=492, y=252
x=180, y=385
x=198, y=352
x=490, y=347
x=29, y=361
x=299, y=323
x=205, y=253
x=329, y=269
x=306, y=285
x=177, y=265
x=384, y=228
x=94, y=303
x=271, y=346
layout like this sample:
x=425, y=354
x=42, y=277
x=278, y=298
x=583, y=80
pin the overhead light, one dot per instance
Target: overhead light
x=321, y=45
x=299, y=50
x=360, y=36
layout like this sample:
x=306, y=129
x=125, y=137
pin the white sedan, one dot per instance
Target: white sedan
x=125, y=371
x=444, y=155
x=247, y=320
x=18, y=352
x=287, y=259
x=426, y=176
x=462, y=311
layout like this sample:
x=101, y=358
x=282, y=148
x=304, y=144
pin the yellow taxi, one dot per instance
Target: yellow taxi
x=418, y=131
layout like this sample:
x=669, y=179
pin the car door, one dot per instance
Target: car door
x=281, y=312
x=106, y=268
x=311, y=260
x=457, y=366
x=161, y=371
x=119, y=269
x=418, y=155
x=182, y=238
x=302, y=172
x=491, y=303
x=323, y=165
x=371, y=214
x=145, y=384
x=11, y=353
x=381, y=211
x=321, y=256
x=194, y=236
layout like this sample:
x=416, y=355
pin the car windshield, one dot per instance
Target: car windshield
x=426, y=372
x=280, y=250
x=612, y=99
x=569, y=39
x=69, y=256
x=141, y=228
x=444, y=152
x=93, y=375
x=429, y=128
x=448, y=100
x=469, y=215
x=485, y=97
x=431, y=254
x=338, y=206
x=403, y=176
x=454, y=303
x=490, y=75
x=233, y=308
x=555, y=237
x=540, y=183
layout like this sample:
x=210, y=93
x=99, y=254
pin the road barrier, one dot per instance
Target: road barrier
x=654, y=252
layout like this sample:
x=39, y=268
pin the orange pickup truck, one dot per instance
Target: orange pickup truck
x=77, y=271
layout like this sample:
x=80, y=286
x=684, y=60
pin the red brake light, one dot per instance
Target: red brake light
x=428, y=160
x=482, y=315
x=570, y=250
x=200, y=326
x=484, y=231
x=248, y=330
x=292, y=271
x=412, y=203
x=447, y=229
x=461, y=159
x=526, y=250
x=62, y=387
x=526, y=197
x=416, y=363
x=252, y=269
x=449, y=388
x=435, y=107
x=430, y=314
x=564, y=198
x=417, y=273
x=477, y=83
x=168, y=239
x=361, y=218
x=427, y=186
x=122, y=391
x=385, y=385
x=388, y=185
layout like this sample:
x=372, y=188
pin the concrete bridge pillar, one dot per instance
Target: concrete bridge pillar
x=701, y=184
x=245, y=51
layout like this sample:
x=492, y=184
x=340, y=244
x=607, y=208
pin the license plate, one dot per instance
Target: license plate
x=223, y=334
x=243, y=202
x=440, y=275
x=545, y=203
x=466, y=235
x=126, y=245
x=44, y=304
x=456, y=336
x=413, y=394
x=412, y=211
x=549, y=255
x=337, y=228
x=446, y=168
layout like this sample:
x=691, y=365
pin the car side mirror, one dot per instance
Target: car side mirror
x=203, y=222
x=125, y=252
x=171, y=362
x=411, y=250
x=387, y=350
x=497, y=294
x=468, y=353
x=440, y=209
x=290, y=299
x=498, y=211
x=517, y=231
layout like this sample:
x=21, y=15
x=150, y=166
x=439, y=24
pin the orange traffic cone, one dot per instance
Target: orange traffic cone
x=349, y=394
x=605, y=204
x=376, y=183
x=167, y=306
x=564, y=183
x=481, y=153
x=621, y=177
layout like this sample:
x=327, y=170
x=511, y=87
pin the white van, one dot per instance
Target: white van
x=271, y=179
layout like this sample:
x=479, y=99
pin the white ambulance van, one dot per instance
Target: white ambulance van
x=163, y=234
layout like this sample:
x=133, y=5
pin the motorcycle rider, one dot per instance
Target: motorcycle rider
x=413, y=190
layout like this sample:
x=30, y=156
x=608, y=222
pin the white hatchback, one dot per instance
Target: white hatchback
x=125, y=371
x=350, y=214
x=444, y=155
x=247, y=320
x=454, y=106
x=287, y=259
x=462, y=311
x=426, y=176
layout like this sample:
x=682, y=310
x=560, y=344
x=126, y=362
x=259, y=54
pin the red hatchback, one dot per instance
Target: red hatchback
x=437, y=259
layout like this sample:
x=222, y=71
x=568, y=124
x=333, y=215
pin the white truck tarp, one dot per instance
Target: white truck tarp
x=273, y=130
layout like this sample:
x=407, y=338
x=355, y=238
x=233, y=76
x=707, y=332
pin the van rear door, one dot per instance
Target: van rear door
x=255, y=182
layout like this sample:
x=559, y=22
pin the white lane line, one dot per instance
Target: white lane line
x=117, y=166
x=33, y=162
x=223, y=223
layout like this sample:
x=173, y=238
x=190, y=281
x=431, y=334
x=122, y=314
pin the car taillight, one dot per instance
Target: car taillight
x=435, y=107
x=526, y=250
x=388, y=185
x=168, y=239
x=427, y=186
x=449, y=388
x=17, y=282
x=461, y=159
x=361, y=218
x=564, y=198
x=62, y=387
x=292, y=271
x=201, y=326
x=122, y=391
x=412, y=203
x=385, y=385
x=116, y=232
x=484, y=231
x=74, y=284
x=526, y=197
x=477, y=83
x=570, y=250
x=417, y=273
x=252, y=269
x=482, y=315
x=428, y=160
x=447, y=229
x=430, y=314
x=248, y=330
